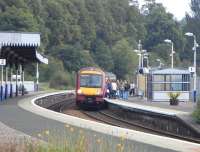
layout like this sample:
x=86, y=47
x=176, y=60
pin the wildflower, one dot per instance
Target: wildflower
x=120, y=147
x=72, y=129
x=39, y=135
x=46, y=132
x=98, y=141
x=67, y=126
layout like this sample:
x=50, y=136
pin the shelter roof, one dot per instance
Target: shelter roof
x=171, y=71
x=21, y=47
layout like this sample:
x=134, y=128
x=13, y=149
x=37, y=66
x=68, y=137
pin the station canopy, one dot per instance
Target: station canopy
x=20, y=48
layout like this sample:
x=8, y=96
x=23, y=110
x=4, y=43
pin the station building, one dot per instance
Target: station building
x=158, y=83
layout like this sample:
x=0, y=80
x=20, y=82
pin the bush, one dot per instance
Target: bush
x=61, y=80
x=196, y=113
x=173, y=98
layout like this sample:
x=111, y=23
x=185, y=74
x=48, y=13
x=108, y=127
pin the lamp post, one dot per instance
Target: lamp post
x=158, y=60
x=146, y=56
x=195, y=62
x=172, y=52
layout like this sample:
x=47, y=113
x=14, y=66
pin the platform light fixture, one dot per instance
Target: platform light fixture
x=195, y=45
x=172, y=51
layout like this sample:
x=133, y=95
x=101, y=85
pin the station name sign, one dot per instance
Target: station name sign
x=2, y=62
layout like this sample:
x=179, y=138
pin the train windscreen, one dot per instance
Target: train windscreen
x=90, y=81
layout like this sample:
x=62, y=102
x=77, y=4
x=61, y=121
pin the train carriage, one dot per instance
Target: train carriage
x=90, y=87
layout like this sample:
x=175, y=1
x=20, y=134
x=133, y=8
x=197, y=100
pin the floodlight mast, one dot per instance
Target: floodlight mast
x=195, y=62
x=172, y=51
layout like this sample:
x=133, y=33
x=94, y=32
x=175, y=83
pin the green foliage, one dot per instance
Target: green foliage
x=102, y=33
x=196, y=113
x=160, y=26
x=102, y=55
x=125, y=60
x=61, y=80
x=173, y=98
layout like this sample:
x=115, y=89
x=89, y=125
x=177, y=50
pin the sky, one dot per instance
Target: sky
x=177, y=7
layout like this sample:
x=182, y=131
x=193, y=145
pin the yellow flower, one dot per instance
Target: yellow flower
x=98, y=141
x=46, y=132
x=39, y=135
x=67, y=126
x=72, y=129
x=120, y=147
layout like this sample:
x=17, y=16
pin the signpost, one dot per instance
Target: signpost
x=2, y=63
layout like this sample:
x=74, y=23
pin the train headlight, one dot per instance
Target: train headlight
x=98, y=92
x=79, y=91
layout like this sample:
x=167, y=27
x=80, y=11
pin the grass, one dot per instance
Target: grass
x=72, y=140
x=196, y=113
x=44, y=86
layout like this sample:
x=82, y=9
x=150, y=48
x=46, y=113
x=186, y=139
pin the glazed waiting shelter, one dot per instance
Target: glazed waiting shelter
x=161, y=82
x=17, y=49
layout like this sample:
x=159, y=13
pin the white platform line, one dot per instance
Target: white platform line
x=155, y=140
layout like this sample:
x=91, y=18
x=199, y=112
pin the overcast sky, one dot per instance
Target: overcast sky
x=176, y=7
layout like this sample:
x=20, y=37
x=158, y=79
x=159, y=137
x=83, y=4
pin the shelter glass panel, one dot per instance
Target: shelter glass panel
x=176, y=78
x=168, y=78
x=159, y=78
x=167, y=87
x=186, y=77
x=186, y=87
x=176, y=87
x=158, y=87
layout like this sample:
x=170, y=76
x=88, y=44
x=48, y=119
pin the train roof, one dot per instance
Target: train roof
x=91, y=70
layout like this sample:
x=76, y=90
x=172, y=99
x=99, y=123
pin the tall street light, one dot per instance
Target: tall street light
x=172, y=52
x=158, y=60
x=195, y=63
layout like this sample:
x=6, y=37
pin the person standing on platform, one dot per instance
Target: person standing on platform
x=126, y=90
x=109, y=89
x=132, y=89
x=121, y=89
x=117, y=93
x=114, y=89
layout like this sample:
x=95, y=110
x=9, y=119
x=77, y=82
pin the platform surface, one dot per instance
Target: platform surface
x=21, y=114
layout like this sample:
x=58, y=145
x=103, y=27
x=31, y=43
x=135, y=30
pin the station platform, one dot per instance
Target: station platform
x=183, y=110
x=26, y=118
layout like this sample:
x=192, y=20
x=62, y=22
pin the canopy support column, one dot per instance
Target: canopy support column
x=2, y=83
x=11, y=86
x=37, y=77
x=16, y=93
x=23, y=80
x=6, y=82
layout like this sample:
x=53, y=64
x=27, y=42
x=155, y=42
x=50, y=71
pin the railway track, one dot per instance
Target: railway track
x=108, y=117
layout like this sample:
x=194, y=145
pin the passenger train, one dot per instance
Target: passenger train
x=90, y=87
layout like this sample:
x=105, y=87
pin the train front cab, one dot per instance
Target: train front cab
x=90, y=89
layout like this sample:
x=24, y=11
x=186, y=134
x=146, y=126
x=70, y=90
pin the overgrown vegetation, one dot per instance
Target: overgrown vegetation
x=102, y=33
x=196, y=113
x=71, y=140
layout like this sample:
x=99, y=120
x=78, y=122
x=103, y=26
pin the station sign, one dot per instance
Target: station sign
x=192, y=69
x=2, y=62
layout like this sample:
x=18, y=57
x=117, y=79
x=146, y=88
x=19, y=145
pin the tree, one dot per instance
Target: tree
x=125, y=60
x=102, y=55
x=160, y=26
x=18, y=19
